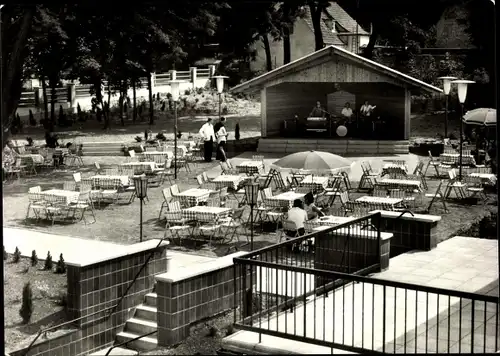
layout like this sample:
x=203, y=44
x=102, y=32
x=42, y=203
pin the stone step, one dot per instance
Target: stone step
x=145, y=312
x=151, y=299
x=140, y=326
x=146, y=343
x=117, y=351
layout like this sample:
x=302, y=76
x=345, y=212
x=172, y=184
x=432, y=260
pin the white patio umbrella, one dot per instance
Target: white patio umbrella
x=314, y=162
x=481, y=117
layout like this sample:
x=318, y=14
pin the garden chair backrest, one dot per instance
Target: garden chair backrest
x=419, y=168
x=174, y=189
x=69, y=186
x=77, y=177
x=131, y=153
x=34, y=197
x=267, y=193
x=289, y=225
x=36, y=189
x=199, y=179
x=205, y=177
x=344, y=198
x=167, y=195
x=21, y=150
x=174, y=206
x=452, y=174
x=379, y=191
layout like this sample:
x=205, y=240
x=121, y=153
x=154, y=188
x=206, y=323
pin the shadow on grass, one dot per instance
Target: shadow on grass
x=52, y=319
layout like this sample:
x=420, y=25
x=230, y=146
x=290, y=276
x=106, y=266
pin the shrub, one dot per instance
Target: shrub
x=32, y=119
x=199, y=91
x=212, y=332
x=187, y=92
x=27, y=305
x=230, y=329
x=48, y=262
x=61, y=265
x=17, y=256
x=34, y=258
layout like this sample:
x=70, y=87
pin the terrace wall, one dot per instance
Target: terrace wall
x=95, y=285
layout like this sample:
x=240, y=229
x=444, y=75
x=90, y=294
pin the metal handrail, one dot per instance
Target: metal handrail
x=364, y=279
x=129, y=341
x=308, y=236
x=112, y=309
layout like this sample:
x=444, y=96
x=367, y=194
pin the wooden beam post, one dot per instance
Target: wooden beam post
x=263, y=112
x=407, y=114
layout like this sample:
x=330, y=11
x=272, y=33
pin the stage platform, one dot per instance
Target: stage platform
x=336, y=146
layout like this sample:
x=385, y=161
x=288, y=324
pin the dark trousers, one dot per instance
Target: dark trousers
x=208, y=148
x=292, y=233
x=221, y=151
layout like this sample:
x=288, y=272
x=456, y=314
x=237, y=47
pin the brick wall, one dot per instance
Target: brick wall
x=96, y=286
x=185, y=296
x=410, y=233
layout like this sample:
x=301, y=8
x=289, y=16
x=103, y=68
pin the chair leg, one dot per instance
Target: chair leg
x=28, y=212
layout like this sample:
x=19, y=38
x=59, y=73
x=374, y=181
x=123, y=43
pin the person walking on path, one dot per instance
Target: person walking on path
x=221, y=135
x=208, y=135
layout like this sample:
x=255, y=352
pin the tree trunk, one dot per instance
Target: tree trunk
x=134, y=114
x=287, y=51
x=316, y=21
x=98, y=96
x=267, y=48
x=368, y=51
x=106, y=109
x=46, y=123
x=151, y=104
x=12, y=68
x=121, y=101
x=53, y=98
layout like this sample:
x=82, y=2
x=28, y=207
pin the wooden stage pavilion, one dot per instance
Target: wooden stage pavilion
x=334, y=76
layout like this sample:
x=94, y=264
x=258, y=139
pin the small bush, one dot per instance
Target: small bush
x=48, y=262
x=230, y=329
x=187, y=92
x=212, y=332
x=61, y=265
x=34, y=258
x=5, y=255
x=17, y=256
x=199, y=91
x=27, y=306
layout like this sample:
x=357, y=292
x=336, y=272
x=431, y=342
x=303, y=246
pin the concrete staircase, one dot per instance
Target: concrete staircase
x=336, y=146
x=143, y=322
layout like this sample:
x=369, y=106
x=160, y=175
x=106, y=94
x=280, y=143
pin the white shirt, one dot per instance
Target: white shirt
x=366, y=109
x=298, y=216
x=207, y=131
x=346, y=112
x=221, y=134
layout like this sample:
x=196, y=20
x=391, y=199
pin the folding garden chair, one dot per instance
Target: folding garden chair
x=231, y=224
x=69, y=186
x=176, y=223
x=97, y=168
x=434, y=162
x=455, y=185
x=419, y=172
x=36, y=202
x=167, y=199
x=83, y=204
x=437, y=196
x=366, y=181
x=475, y=187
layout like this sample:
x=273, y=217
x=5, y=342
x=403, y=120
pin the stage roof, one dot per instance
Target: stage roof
x=333, y=51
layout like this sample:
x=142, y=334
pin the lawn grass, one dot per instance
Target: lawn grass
x=49, y=289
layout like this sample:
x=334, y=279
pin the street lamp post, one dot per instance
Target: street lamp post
x=174, y=91
x=219, y=80
x=462, y=95
x=141, y=191
x=446, y=89
x=252, y=195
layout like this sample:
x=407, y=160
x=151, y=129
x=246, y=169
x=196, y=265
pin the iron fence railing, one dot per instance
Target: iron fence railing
x=321, y=298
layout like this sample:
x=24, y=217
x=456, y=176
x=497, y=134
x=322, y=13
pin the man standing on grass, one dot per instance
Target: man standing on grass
x=208, y=135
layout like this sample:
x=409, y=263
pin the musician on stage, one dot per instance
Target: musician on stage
x=318, y=111
x=346, y=111
x=366, y=125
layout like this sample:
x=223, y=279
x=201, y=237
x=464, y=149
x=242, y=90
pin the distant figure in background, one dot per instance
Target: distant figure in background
x=208, y=135
x=317, y=111
x=51, y=140
x=365, y=122
x=366, y=109
x=221, y=135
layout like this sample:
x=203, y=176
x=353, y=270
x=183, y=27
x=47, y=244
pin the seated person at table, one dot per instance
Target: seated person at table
x=298, y=215
x=317, y=111
x=311, y=209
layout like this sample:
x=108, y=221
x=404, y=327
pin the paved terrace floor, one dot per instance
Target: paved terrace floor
x=461, y=263
x=73, y=248
x=356, y=171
